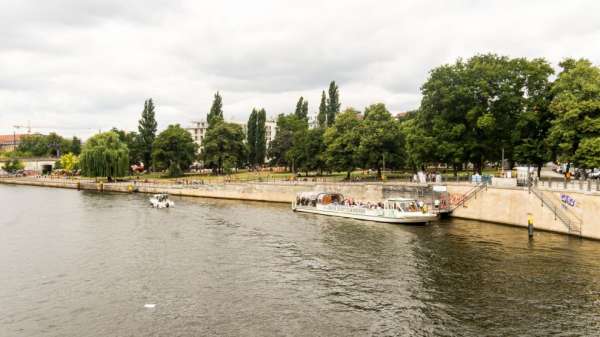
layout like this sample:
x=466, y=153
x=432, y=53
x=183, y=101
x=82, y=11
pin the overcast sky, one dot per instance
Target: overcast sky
x=88, y=65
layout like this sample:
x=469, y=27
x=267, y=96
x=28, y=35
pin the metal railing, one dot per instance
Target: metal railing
x=571, y=221
x=469, y=195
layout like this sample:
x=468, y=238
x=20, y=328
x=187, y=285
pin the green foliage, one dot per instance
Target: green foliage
x=44, y=145
x=380, y=140
x=13, y=166
x=534, y=120
x=302, y=108
x=333, y=103
x=134, y=144
x=215, y=114
x=174, y=150
x=75, y=146
x=104, y=155
x=68, y=162
x=588, y=153
x=223, y=147
x=308, y=150
x=322, y=116
x=251, y=137
x=576, y=110
x=147, y=127
x=287, y=127
x=473, y=109
x=342, y=141
x=419, y=146
x=261, y=137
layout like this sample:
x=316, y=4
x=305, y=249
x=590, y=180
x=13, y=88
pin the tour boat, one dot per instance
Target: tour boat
x=394, y=210
x=161, y=201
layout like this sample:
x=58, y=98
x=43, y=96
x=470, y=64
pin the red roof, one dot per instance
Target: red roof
x=10, y=139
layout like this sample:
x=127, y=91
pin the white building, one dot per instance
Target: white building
x=198, y=131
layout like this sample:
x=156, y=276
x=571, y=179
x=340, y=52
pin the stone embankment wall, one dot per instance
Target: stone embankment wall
x=505, y=205
x=511, y=206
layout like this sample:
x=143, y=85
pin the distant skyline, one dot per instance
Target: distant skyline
x=91, y=64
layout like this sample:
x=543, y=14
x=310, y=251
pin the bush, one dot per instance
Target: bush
x=13, y=166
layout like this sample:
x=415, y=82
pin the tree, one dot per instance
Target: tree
x=534, y=120
x=174, y=150
x=134, y=144
x=308, y=150
x=216, y=110
x=104, y=155
x=13, y=166
x=261, y=137
x=322, y=116
x=381, y=140
x=419, y=146
x=287, y=127
x=333, y=103
x=302, y=108
x=223, y=147
x=69, y=162
x=251, y=137
x=576, y=110
x=471, y=108
x=147, y=127
x=342, y=141
x=76, y=146
x=44, y=145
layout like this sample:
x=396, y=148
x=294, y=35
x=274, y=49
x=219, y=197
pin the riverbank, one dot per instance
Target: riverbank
x=503, y=205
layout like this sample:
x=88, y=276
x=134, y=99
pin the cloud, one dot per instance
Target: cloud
x=90, y=64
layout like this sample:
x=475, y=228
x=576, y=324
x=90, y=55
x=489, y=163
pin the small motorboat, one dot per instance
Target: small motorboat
x=161, y=201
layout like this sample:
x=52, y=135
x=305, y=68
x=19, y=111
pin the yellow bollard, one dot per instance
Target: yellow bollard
x=530, y=225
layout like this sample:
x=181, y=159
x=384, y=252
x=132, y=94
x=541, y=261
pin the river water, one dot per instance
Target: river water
x=86, y=264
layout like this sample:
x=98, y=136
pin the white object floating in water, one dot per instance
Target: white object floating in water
x=149, y=305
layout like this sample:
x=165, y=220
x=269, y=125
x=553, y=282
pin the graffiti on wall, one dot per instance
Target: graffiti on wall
x=567, y=200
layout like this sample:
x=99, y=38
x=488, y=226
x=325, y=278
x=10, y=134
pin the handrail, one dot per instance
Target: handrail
x=470, y=194
x=572, y=226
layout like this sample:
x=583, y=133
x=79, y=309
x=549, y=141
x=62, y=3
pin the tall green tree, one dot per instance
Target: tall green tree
x=381, y=141
x=147, y=127
x=75, y=146
x=134, y=144
x=333, y=103
x=322, y=116
x=216, y=110
x=104, y=155
x=261, y=137
x=343, y=140
x=174, y=150
x=308, y=150
x=302, y=108
x=419, y=146
x=472, y=108
x=223, y=147
x=251, y=137
x=287, y=127
x=576, y=108
x=534, y=119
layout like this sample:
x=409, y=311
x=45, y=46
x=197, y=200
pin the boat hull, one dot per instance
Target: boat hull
x=421, y=219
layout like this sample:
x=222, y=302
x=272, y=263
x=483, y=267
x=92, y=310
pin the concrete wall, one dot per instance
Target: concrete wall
x=34, y=164
x=500, y=205
x=511, y=206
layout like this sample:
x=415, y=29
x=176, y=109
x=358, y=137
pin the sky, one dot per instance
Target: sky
x=79, y=67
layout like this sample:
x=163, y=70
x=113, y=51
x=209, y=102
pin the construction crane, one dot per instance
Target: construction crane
x=29, y=127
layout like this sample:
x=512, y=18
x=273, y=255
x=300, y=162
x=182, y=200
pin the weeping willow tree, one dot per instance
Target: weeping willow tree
x=104, y=155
